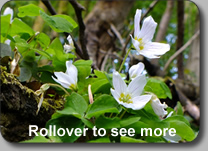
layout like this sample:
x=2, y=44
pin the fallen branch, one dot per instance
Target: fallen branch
x=191, y=108
x=181, y=50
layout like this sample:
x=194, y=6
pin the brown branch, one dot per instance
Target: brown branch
x=152, y=5
x=181, y=50
x=78, y=10
x=118, y=35
x=47, y=3
x=105, y=60
x=191, y=108
x=180, y=38
x=163, y=26
x=162, y=29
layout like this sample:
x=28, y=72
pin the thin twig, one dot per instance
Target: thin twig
x=181, y=50
x=105, y=60
x=47, y=3
x=118, y=35
x=152, y=5
x=191, y=108
x=78, y=10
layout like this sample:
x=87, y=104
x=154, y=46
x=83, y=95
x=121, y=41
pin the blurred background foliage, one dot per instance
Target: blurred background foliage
x=64, y=7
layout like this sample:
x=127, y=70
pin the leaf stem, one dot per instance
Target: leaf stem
x=56, y=85
x=123, y=113
x=124, y=60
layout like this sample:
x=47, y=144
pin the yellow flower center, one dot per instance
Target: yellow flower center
x=73, y=87
x=141, y=46
x=125, y=98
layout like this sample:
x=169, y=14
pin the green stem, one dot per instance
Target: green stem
x=124, y=60
x=123, y=113
x=74, y=55
x=56, y=85
x=111, y=115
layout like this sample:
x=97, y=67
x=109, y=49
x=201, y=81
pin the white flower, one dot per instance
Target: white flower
x=142, y=38
x=69, y=38
x=158, y=108
x=69, y=78
x=130, y=97
x=70, y=47
x=136, y=70
x=7, y=11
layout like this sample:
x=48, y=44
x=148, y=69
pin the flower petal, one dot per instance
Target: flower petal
x=63, y=77
x=137, y=18
x=65, y=85
x=7, y=11
x=136, y=70
x=136, y=86
x=69, y=38
x=159, y=108
x=71, y=70
x=156, y=49
x=148, y=29
x=118, y=83
x=115, y=95
x=68, y=48
x=135, y=43
x=140, y=101
x=127, y=105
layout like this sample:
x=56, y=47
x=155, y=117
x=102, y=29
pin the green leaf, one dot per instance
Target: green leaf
x=27, y=70
x=43, y=40
x=29, y=55
x=18, y=27
x=29, y=10
x=38, y=139
x=68, y=18
x=154, y=139
x=69, y=122
x=87, y=123
x=22, y=45
x=5, y=50
x=128, y=121
x=84, y=68
x=158, y=87
x=100, y=140
x=103, y=104
x=75, y=105
x=125, y=139
x=25, y=74
x=183, y=130
x=179, y=109
x=5, y=20
x=107, y=123
x=59, y=23
x=175, y=118
x=100, y=74
x=46, y=77
x=101, y=86
x=43, y=53
x=56, y=49
x=46, y=68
